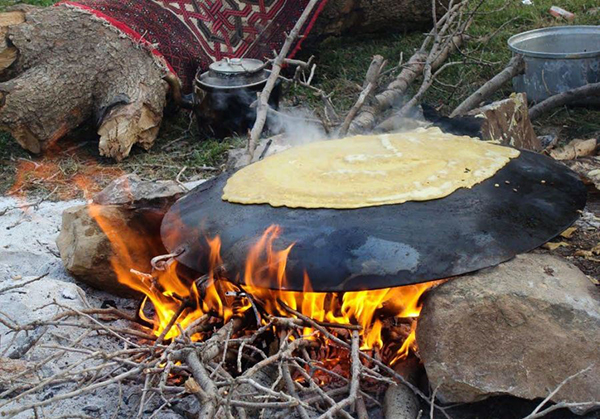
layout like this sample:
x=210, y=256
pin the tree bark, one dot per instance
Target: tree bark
x=374, y=16
x=72, y=68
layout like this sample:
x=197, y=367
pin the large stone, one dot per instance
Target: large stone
x=131, y=209
x=517, y=329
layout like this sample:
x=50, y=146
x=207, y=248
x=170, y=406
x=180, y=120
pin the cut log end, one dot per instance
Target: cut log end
x=8, y=53
x=12, y=18
x=42, y=104
x=8, y=56
x=508, y=121
x=126, y=126
x=26, y=139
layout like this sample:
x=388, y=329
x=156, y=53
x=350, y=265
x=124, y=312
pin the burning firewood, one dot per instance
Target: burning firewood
x=239, y=351
x=207, y=370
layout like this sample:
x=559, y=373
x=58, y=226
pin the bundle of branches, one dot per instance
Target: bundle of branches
x=213, y=368
x=447, y=35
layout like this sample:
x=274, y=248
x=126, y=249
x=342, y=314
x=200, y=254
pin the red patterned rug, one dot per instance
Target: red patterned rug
x=191, y=34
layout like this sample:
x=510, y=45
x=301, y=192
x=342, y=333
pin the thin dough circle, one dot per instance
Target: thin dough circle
x=369, y=170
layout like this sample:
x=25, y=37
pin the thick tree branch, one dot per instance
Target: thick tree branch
x=515, y=67
x=563, y=99
x=371, y=82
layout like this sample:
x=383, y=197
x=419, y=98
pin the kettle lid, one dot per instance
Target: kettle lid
x=233, y=73
x=236, y=66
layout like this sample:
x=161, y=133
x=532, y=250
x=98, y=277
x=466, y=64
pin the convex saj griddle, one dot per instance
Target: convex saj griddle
x=525, y=204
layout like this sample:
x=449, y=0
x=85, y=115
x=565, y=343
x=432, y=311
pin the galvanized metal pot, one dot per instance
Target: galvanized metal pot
x=557, y=59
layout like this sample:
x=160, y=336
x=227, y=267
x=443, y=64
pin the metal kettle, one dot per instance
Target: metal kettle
x=223, y=96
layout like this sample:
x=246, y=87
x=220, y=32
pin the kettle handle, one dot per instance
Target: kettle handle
x=184, y=101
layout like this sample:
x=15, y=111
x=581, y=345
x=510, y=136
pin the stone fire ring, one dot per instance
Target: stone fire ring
x=528, y=202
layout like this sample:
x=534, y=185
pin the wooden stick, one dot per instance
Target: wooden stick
x=563, y=99
x=263, y=99
x=354, y=381
x=75, y=393
x=211, y=349
x=209, y=391
x=22, y=284
x=446, y=38
x=536, y=411
x=395, y=91
x=186, y=303
x=371, y=82
x=515, y=66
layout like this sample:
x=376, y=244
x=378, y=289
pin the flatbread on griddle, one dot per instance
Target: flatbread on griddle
x=368, y=170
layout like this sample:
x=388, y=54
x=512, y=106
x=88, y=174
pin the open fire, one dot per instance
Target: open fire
x=385, y=318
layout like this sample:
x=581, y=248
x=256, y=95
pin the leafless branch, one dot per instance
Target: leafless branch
x=539, y=413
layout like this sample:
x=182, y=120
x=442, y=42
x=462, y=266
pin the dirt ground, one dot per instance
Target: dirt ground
x=583, y=246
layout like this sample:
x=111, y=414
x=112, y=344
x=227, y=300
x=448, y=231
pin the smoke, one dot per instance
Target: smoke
x=298, y=125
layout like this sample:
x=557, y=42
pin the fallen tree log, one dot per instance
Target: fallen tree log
x=71, y=68
x=61, y=67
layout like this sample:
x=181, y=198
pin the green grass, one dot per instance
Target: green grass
x=342, y=64
x=4, y=4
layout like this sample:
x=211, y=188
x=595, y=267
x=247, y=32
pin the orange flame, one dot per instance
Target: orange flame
x=166, y=291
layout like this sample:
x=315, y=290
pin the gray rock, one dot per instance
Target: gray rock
x=128, y=205
x=517, y=329
x=400, y=402
x=131, y=190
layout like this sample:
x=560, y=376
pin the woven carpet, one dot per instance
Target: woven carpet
x=191, y=34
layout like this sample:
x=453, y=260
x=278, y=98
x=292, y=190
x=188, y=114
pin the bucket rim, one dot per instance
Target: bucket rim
x=539, y=33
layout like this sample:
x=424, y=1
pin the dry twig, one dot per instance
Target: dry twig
x=514, y=67
x=539, y=413
x=263, y=100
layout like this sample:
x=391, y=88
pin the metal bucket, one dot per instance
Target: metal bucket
x=557, y=59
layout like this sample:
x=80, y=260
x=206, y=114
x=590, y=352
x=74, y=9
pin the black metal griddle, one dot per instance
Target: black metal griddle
x=535, y=199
